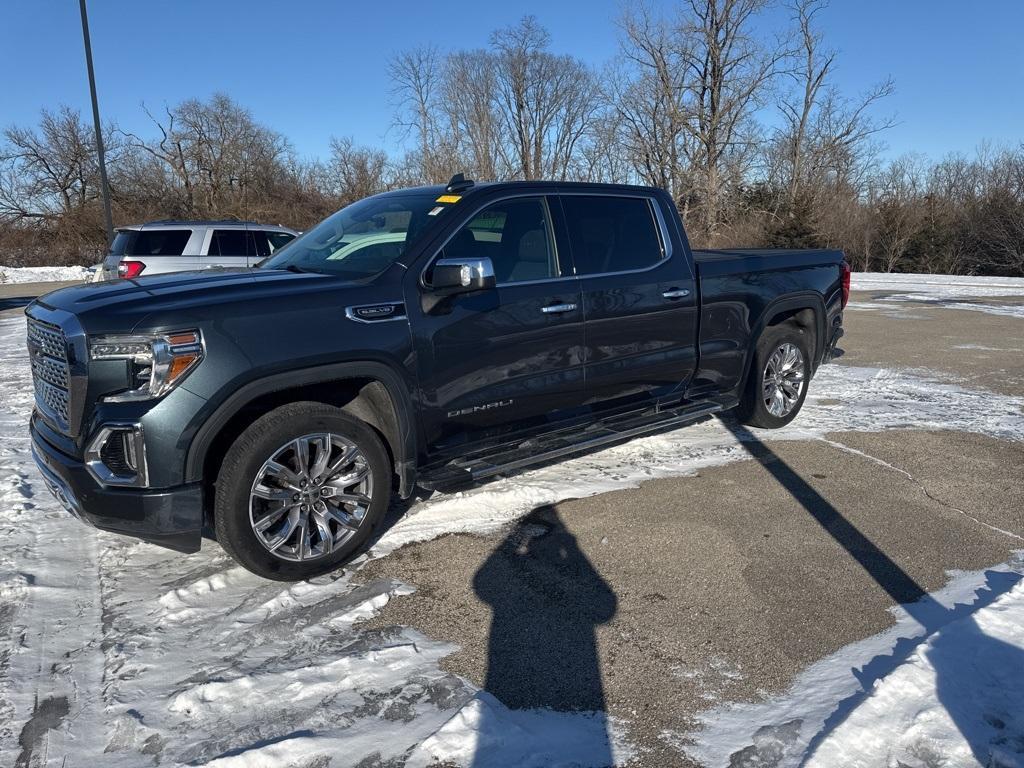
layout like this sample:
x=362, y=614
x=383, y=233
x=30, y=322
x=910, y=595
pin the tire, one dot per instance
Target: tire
x=755, y=409
x=262, y=492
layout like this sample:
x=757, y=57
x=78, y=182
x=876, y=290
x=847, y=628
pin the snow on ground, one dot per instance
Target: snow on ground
x=943, y=291
x=951, y=669
x=42, y=274
x=938, y=286
x=960, y=688
x=123, y=649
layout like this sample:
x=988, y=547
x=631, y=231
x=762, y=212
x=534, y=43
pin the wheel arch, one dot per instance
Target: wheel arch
x=371, y=391
x=805, y=310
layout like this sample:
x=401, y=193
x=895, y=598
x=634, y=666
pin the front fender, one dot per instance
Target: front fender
x=395, y=384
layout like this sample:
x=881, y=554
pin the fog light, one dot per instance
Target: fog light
x=117, y=456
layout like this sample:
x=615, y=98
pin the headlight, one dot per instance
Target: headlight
x=157, y=363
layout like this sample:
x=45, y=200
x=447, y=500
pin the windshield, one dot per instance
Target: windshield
x=361, y=239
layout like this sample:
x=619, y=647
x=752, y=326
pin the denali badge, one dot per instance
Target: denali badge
x=369, y=313
x=478, y=408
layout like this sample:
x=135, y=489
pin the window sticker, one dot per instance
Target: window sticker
x=448, y=199
x=436, y=210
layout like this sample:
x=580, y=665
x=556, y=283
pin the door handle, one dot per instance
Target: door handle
x=557, y=309
x=676, y=293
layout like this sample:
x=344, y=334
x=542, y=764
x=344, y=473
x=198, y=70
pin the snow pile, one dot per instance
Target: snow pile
x=943, y=687
x=943, y=291
x=42, y=274
x=938, y=286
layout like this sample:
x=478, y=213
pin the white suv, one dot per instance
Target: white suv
x=177, y=246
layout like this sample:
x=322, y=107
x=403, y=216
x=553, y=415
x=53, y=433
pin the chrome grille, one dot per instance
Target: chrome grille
x=47, y=338
x=50, y=370
x=50, y=373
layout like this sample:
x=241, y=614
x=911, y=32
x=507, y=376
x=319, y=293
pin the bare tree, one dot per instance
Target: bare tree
x=357, y=172
x=727, y=73
x=650, y=100
x=418, y=85
x=471, y=115
x=215, y=153
x=50, y=173
x=546, y=102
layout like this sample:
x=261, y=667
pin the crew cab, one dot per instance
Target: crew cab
x=425, y=337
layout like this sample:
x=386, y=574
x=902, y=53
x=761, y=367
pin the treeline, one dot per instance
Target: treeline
x=750, y=135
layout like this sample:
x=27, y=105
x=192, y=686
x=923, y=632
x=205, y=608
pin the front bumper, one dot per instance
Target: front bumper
x=171, y=518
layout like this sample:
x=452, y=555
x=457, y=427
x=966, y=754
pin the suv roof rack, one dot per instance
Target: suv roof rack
x=459, y=183
x=205, y=221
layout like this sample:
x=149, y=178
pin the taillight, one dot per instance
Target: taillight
x=845, y=277
x=130, y=269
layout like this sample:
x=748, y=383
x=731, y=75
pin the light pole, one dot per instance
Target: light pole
x=108, y=218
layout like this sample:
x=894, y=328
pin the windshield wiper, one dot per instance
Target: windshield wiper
x=298, y=269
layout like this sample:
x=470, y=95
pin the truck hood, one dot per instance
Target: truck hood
x=120, y=306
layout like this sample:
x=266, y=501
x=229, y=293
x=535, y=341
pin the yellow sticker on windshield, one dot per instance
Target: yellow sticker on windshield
x=448, y=199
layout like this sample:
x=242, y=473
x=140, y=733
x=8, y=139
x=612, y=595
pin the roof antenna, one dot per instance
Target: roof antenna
x=458, y=183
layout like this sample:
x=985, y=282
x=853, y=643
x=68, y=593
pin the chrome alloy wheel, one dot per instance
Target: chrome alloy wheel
x=310, y=496
x=783, y=380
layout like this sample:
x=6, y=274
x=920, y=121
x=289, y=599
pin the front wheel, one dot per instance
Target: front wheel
x=777, y=383
x=300, y=491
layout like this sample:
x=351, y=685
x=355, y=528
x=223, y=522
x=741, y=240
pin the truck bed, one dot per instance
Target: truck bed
x=712, y=263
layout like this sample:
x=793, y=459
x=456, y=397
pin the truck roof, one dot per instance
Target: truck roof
x=479, y=186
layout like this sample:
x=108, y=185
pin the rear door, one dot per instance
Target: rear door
x=229, y=247
x=509, y=358
x=639, y=297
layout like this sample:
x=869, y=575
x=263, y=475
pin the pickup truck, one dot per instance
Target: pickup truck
x=425, y=337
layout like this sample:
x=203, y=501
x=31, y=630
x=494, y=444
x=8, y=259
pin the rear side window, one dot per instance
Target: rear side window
x=159, y=242
x=612, y=234
x=120, y=245
x=231, y=242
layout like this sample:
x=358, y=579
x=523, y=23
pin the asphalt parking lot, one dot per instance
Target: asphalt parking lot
x=656, y=603
x=15, y=296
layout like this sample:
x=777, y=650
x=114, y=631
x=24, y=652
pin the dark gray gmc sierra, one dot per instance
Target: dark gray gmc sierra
x=430, y=336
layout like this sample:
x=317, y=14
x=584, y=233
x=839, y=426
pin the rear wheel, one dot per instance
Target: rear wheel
x=777, y=383
x=300, y=491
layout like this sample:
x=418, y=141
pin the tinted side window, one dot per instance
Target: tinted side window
x=278, y=239
x=229, y=242
x=515, y=235
x=121, y=240
x=160, y=242
x=262, y=247
x=612, y=234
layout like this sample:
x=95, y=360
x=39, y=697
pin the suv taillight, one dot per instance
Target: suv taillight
x=129, y=269
x=845, y=277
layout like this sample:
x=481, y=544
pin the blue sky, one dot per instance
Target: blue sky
x=313, y=68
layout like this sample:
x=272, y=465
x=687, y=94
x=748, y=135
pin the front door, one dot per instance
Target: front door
x=639, y=299
x=506, y=358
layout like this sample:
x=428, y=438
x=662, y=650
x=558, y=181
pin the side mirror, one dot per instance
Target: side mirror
x=451, y=276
